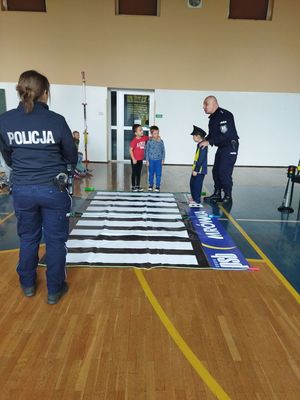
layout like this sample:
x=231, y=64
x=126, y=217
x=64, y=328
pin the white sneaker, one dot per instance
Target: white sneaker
x=150, y=189
x=193, y=204
x=157, y=190
x=134, y=189
x=140, y=189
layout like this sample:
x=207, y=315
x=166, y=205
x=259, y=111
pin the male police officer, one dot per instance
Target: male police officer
x=222, y=133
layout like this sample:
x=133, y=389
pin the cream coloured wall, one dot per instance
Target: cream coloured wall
x=267, y=123
x=196, y=49
x=67, y=100
x=253, y=67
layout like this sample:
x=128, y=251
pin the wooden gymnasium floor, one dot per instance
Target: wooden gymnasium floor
x=152, y=335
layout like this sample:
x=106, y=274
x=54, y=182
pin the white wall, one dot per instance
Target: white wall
x=67, y=100
x=268, y=125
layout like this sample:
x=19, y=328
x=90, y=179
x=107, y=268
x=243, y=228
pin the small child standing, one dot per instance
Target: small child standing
x=137, y=154
x=80, y=170
x=155, y=157
x=199, y=167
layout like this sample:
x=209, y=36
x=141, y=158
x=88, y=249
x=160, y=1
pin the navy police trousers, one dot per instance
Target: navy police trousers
x=42, y=209
x=225, y=159
x=196, y=184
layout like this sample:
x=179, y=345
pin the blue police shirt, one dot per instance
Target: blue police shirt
x=221, y=128
x=37, y=145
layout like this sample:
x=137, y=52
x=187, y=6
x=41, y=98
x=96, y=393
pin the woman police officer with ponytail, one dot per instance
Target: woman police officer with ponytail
x=37, y=144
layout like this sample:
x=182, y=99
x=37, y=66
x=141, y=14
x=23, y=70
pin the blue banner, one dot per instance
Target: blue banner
x=219, y=248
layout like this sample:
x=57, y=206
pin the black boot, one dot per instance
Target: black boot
x=227, y=199
x=215, y=197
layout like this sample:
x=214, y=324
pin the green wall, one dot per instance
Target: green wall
x=2, y=101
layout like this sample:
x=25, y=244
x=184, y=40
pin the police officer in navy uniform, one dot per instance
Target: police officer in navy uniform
x=222, y=133
x=37, y=144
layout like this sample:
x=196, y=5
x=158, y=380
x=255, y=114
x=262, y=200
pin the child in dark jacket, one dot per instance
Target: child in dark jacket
x=155, y=158
x=199, y=169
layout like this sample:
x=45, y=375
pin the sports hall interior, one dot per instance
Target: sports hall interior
x=126, y=333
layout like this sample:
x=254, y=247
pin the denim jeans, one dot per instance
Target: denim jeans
x=155, y=169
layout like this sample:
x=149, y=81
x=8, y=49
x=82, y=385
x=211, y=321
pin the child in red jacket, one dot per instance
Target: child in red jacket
x=137, y=154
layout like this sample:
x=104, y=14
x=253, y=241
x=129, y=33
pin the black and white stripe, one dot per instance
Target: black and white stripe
x=132, y=259
x=133, y=194
x=136, y=209
x=130, y=216
x=132, y=203
x=129, y=244
x=138, y=229
x=135, y=198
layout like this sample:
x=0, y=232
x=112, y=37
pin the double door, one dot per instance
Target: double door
x=128, y=107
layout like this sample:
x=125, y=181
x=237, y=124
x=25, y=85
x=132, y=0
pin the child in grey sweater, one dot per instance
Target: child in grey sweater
x=155, y=158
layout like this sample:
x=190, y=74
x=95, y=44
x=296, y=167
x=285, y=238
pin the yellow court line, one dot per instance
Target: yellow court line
x=216, y=247
x=9, y=251
x=207, y=378
x=6, y=218
x=269, y=263
x=17, y=249
x=264, y=258
x=255, y=260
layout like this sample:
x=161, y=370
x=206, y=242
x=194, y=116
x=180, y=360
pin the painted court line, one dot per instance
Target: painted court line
x=6, y=218
x=263, y=256
x=263, y=220
x=42, y=245
x=204, y=374
x=255, y=260
x=9, y=251
x=269, y=263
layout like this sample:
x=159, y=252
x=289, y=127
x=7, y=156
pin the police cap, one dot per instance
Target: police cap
x=198, y=131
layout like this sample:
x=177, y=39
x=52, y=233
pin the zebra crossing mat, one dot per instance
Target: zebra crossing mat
x=149, y=230
x=134, y=229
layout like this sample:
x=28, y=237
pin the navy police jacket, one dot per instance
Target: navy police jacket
x=37, y=145
x=221, y=128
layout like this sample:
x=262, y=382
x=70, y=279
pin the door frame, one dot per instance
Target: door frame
x=120, y=127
